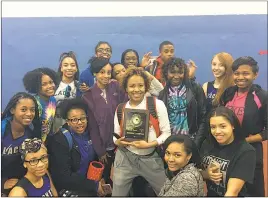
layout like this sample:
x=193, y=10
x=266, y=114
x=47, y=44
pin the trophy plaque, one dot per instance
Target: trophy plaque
x=136, y=124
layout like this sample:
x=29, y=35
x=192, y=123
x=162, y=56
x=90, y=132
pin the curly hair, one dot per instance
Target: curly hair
x=64, y=55
x=12, y=104
x=124, y=54
x=67, y=105
x=30, y=146
x=175, y=62
x=138, y=71
x=246, y=60
x=32, y=80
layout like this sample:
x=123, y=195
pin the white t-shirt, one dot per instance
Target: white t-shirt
x=163, y=125
x=61, y=91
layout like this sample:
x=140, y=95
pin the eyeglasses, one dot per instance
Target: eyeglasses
x=76, y=120
x=101, y=50
x=68, y=91
x=34, y=162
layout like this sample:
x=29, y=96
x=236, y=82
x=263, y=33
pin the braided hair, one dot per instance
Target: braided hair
x=12, y=104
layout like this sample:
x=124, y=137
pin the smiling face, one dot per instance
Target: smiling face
x=222, y=130
x=217, y=67
x=104, y=75
x=24, y=112
x=176, y=156
x=136, y=89
x=39, y=169
x=68, y=67
x=47, y=87
x=130, y=59
x=244, y=77
x=77, y=120
x=104, y=51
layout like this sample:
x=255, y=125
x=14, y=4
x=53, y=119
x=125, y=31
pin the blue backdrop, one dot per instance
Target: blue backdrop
x=28, y=43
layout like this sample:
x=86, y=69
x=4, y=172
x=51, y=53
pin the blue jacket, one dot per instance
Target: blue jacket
x=87, y=77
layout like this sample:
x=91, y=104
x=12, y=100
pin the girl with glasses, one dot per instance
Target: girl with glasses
x=72, y=149
x=37, y=181
x=102, y=49
x=20, y=120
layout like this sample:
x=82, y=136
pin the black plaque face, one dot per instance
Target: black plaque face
x=136, y=124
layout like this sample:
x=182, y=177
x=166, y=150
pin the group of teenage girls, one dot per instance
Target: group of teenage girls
x=197, y=134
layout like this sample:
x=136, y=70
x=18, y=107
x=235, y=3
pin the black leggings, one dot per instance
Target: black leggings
x=141, y=188
x=108, y=166
x=257, y=188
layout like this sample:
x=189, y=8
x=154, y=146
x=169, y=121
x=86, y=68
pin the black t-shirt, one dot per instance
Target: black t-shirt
x=237, y=160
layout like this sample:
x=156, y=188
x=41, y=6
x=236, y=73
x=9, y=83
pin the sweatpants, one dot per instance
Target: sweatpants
x=128, y=165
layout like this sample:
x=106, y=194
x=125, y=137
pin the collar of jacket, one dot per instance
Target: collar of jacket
x=174, y=174
x=233, y=89
x=189, y=91
x=159, y=61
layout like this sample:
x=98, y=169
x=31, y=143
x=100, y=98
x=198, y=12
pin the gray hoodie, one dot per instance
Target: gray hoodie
x=187, y=183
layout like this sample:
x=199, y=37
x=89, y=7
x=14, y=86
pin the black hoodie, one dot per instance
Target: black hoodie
x=255, y=119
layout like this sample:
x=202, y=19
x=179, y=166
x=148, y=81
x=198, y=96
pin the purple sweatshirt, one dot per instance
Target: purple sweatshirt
x=102, y=113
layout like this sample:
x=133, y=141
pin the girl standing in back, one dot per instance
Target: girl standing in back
x=221, y=65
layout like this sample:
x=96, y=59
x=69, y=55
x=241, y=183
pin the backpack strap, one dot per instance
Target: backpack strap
x=3, y=128
x=120, y=116
x=4, y=125
x=151, y=106
x=68, y=136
